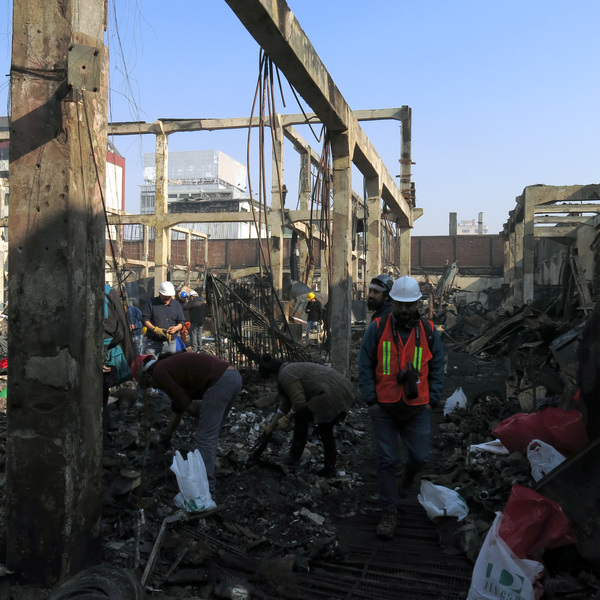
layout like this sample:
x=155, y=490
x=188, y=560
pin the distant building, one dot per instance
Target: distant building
x=202, y=181
x=471, y=227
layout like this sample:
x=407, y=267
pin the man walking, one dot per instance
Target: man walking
x=401, y=377
x=314, y=314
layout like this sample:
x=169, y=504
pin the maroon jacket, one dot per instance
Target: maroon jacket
x=186, y=376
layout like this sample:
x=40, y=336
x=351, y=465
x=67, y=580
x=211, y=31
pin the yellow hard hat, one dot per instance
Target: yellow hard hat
x=311, y=296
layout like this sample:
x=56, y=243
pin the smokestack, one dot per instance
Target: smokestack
x=480, y=224
x=453, y=224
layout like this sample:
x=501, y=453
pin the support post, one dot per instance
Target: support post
x=404, y=241
x=57, y=164
x=162, y=235
x=276, y=205
x=374, y=229
x=340, y=294
x=528, y=245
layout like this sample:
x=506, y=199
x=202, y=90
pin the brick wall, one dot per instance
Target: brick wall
x=476, y=253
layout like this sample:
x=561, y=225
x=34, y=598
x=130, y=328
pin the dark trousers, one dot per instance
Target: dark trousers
x=302, y=420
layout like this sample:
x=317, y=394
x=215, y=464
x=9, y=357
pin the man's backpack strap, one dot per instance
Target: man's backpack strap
x=428, y=326
x=381, y=323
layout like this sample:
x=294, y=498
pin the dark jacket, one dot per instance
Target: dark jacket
x=162, y=315
x=197, y=311
x=186, y=376
x=313, y=310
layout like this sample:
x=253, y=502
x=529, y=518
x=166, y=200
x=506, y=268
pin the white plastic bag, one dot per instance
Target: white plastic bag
x=499, y=573
x=457, y=400
x=543, y=458
x=194, y=494
x=440, y=501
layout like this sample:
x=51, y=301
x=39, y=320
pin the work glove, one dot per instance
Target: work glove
x=160, y=333
x=270, y=427
x=283, y=423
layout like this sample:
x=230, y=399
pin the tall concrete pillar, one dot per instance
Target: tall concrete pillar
x=304, y=197
x=340, y=294
x=57, y=167
x=162, y=235
x=406, y=155
x=528, y=245
x=276, y=219
x=404, y=242
x=453, y=226
x=325, y=261
x=374, y=229
x=145, y=250
x=518, y=271
x=507, y=254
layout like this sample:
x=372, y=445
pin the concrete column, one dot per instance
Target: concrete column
x=374, y=229
x=528, y=245
x=325, y=265
x=304, y=193
x=406, y=155
x=56, y=289
x=518, y=262
x=404, y=242
x=507, y=255
x=145, y=242
x=188, y=251
x=340, y=294
x=162, y=235
x=453, y=227
x=276, y=219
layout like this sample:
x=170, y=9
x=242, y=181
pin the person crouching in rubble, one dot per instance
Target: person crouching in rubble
x=309, y=393
x=401, y=377
x=198, y=384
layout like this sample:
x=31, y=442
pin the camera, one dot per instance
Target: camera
x=409, y=379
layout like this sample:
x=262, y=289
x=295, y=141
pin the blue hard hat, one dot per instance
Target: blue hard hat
x=183, y=294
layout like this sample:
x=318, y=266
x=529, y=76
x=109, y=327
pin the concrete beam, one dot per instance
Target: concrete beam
x=277, y=31
x=572, y=220
x=568, y=208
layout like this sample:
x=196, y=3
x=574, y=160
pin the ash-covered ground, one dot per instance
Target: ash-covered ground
x=274, y=522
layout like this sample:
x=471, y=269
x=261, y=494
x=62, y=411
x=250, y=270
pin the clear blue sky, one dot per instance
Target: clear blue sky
x=504, y=94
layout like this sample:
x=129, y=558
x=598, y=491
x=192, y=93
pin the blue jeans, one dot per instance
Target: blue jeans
x=310, y=325
x=415, y=434
x=155, y=347
x=196, y=337
x=214, y=407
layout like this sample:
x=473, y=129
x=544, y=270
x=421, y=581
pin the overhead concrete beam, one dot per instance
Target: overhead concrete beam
x=568, y=208
x=277, y=31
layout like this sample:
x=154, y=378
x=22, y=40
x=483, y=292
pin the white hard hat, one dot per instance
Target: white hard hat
x=193, y=293
x=166, y=289
x=405, y=289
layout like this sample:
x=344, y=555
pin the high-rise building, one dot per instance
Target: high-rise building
x=201, y=181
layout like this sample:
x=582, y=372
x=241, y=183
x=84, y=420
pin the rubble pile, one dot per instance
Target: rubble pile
x=270, y=513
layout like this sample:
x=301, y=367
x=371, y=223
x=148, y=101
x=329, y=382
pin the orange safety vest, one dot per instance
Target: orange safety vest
x=393, y=357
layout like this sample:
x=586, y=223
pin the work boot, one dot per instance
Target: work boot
x=387, y=525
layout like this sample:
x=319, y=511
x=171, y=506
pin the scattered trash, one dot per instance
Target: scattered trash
x=543, y=458
x=440, y=501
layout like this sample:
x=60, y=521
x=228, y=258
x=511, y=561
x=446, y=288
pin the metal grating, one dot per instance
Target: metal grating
x=412, y=566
